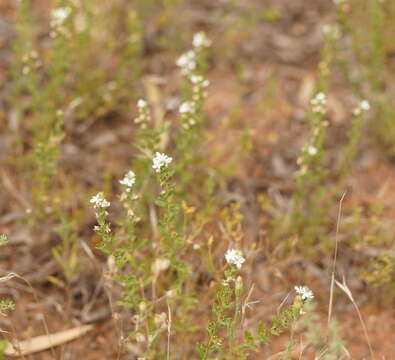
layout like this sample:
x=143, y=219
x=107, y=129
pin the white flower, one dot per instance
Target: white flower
x=129, y=179
x=144, y=115
x=160, y=160
x=195, y=79
x=187, y=62
x=141, y=104
x=234, y=257
x=59, y=15
x=199, y=79
x=186, y=107
x=200, y=40
x=312, y=150
x=99, y=201
x=318, y=103
x=364, y=105
x=304, y=292
x=320, y=98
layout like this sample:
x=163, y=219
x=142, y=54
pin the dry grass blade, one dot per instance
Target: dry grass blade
x=294, y=354
x=335, y=259
x=44, y=342
x=343, y=286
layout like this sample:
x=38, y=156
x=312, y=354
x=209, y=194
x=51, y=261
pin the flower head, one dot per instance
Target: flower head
x=362, y=106
x=59, y=15
x=199, y=80
x=144, y=115
x=99, y=201
x=304, y=292
x=129, y=179
x=365, y=105
x=187, y=62
x=234, y=257
x=312, y=150
x=160, y=161
x=200, y=40
x=186, y=107
x=141, y=103
x=319, y=103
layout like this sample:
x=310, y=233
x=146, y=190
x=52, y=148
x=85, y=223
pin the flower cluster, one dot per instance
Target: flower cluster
x=309, y=151
x=188, y=112
x=362, y=106
x=304, y=292
x=234, y=257
x=199, y=85
x=128, y=180
x=188, y=61
x=99, y=202
x=187, y=107
x=200, y=39
x=144, y=116
x=59, y=16
x=160, y=161
x=319, y=103
x=312, y=150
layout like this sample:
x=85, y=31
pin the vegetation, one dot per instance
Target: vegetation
x=174, y=184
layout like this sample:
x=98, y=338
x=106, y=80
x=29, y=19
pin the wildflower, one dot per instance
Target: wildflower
x=200, y=40
x=99, y=201
x=186, y=107
x=363, y=106
x=129, y=179
x=195, y=79
x=187, y=62
x=318, y=103
x=199, y=79
x=312, y=150
x=304, y=292
x=234, y=257
x=161, y=161
x=106, y=228
x=141, y=103
x=59, y=16
x=144, y=115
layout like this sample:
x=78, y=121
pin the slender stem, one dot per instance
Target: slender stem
x=335, y=259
